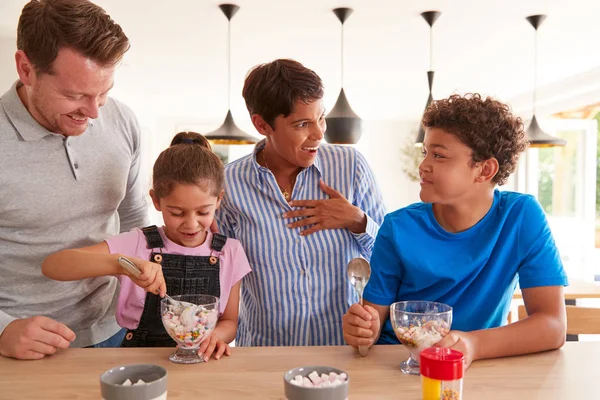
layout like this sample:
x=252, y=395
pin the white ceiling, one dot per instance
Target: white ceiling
x=177, y=64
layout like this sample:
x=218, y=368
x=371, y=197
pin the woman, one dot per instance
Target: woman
x=301, y=209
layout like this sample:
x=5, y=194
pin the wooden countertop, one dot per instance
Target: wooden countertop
x=570, y=373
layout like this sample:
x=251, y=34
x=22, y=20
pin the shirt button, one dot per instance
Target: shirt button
x=76, y=166
x=302, y=271
x=297, y=240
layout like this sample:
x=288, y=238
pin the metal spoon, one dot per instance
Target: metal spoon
x=359, y=272
x=133, y=269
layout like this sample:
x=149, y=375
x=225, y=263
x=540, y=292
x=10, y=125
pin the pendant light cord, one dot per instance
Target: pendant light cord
x=535, y=61
x=342, y=57
x=431, y=47
x=228, y=64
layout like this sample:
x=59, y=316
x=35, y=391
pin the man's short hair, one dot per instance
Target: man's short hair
x=46, y=26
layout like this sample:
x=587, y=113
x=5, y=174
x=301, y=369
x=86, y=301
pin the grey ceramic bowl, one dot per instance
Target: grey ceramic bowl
x=155, y=388
x=293, y=392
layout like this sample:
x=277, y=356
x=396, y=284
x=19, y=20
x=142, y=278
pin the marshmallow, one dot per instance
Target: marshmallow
x=313, y=380
x=190, y=326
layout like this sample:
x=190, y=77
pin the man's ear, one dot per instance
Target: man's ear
x=261, y=125
x=155, y=200
x=488, y=170
x=25, y=68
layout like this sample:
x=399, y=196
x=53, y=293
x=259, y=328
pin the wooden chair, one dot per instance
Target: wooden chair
x=580, y=320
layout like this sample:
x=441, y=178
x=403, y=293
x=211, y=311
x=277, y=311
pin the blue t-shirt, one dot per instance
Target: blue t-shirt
x=474, y=271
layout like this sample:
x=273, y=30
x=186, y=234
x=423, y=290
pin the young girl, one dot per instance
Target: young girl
x=183, y=257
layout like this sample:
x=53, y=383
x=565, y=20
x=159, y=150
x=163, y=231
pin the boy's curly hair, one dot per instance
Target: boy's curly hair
x=487, y=126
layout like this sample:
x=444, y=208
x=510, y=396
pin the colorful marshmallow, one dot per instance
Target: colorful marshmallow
x=191, y=325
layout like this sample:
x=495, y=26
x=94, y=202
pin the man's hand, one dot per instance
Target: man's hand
x=360, y=325
x=34, y=338
x=461, y=341
x=333, y=213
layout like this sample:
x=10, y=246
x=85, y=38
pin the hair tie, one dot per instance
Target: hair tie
x=187, y=141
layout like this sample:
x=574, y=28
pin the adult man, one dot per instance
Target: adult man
x=69, y=176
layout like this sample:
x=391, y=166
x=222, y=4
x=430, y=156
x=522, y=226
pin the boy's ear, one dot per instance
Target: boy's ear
x=261, y=125
x=155, y=199
x=489, y=169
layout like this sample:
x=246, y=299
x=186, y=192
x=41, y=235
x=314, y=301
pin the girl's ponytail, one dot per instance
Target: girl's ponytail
x=190, y=138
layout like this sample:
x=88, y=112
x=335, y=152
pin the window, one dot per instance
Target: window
x=563, y=179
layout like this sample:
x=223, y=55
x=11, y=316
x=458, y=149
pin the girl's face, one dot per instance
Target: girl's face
x=187, y=213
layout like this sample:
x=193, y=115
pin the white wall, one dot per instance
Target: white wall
x=386, y=138
x=381, y=144
x=175, y=73
x=381, y=141
x=8, y=72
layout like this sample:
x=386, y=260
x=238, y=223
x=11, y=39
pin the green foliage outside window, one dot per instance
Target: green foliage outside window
x=558, y=176
x=546, y=181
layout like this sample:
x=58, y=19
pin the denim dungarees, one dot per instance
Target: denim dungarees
x=183, y=275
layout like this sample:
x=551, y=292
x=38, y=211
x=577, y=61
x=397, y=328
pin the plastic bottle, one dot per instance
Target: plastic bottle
x=442, y=373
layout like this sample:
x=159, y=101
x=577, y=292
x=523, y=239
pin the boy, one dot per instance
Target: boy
x=467, y=243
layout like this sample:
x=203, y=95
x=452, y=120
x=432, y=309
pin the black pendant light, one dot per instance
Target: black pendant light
x=228, y=132
x=430, y=17
x=536, y=136
x=343, y=125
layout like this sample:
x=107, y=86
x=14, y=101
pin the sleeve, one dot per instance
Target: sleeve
x=240, y=262
x=541, y=264
x=225, y=220
x=130, y=303
x=386, y=268
x=126, y=243
x=133, y=210
x=5, y=319
x=367, y=197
